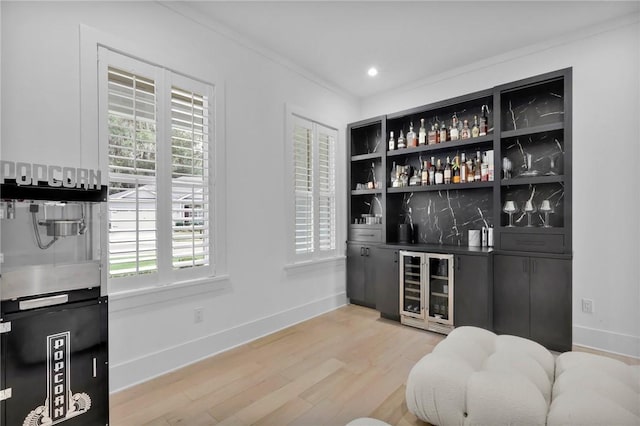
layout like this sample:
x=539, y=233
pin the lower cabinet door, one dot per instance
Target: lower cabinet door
x=473, y=297
x=551, y=303
x=386, y=281
x=355, y=272
x=54, y=361
x=511, y=295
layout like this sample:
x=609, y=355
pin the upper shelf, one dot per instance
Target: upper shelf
x=442, y=146
x=443, y=187
x=362, y=157
x=532, y=130
x=533, y=180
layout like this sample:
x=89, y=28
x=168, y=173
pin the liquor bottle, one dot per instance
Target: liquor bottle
x=431, y=136
x=470, y=175
x=475, y=130
x=484, y=169
x=412, y=141
x=392, y=142
x=394, y=176
x=464, y=171
x=424, y=173
x=432, y=171
x=443, y=133
x=454, y=134
x=422, y=133
x=447, y=172
x=455, y=170
x=401, y=141
x=466, y=132
x=477, y=171
x=437, y=129
x=439, y=174
x=484, y=121
x=415, y=178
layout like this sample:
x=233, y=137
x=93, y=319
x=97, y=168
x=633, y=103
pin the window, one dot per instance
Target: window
x=157, y=135
x=311, y=153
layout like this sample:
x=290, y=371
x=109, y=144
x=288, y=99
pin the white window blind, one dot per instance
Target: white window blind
x=132, y=173
x=189, y=178
x=313, y=164
x=303, y=186
x=157, y=128
x=326, y=190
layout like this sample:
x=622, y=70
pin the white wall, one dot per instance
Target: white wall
x=42, y=118
x=606, y=193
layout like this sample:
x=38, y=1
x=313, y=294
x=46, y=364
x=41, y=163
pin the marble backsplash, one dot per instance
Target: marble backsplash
x=533, y=106
x=541, y=154
x=444, y=217
x=554, y=192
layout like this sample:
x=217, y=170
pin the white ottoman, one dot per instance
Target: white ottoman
x=475, y=377
x=594, y=390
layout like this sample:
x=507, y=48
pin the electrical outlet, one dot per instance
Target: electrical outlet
x=198, y=315
x=587, y=306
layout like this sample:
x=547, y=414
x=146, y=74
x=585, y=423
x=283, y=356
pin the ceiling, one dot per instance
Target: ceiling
x=407, y=41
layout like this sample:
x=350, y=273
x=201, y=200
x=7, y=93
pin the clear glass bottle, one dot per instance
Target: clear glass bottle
x=454, y=135
x=412, y=140
x=437, y=129
x=464, y=171
x=466, y=132
x=401, y=141
x=447, y=172
x=424, y=173
x=432, y=171
x=392, y=142
x=422, y=133
x=415, y=178
x=475, y=129
x=439, y=174
x=431, y=136
x=444, y=135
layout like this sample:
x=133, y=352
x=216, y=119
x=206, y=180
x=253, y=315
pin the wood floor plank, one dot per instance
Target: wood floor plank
x=326, y=371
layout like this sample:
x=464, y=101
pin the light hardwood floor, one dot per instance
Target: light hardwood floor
x=331, y=369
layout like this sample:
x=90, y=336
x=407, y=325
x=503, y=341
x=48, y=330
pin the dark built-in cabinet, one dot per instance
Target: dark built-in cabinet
x=522, y=285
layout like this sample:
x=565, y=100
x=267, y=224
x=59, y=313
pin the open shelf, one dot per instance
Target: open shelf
x=442, y=146
x=532, y=130
x=448, y=187
x=366, y=191
x=533, y=180
x=362, y=157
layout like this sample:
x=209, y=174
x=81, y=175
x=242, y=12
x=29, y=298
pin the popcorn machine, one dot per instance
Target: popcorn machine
x=53, y=300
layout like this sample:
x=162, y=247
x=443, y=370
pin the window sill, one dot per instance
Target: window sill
x=134, y=298
x=316, y=264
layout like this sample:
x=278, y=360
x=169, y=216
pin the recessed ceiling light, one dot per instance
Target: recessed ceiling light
x=373, y=71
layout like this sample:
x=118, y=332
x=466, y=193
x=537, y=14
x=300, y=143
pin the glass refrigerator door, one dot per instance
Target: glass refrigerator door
x=440, y=288
x=412, y=285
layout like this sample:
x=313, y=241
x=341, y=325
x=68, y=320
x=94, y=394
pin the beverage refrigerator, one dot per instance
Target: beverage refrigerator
x=53, y=307
x=426, y=291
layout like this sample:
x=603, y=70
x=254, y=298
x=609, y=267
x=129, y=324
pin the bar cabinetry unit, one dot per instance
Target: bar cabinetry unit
x=529, y=133
x=361, y=275
x=426, y=291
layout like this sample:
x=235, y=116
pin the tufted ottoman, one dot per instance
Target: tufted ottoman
x=475, y=377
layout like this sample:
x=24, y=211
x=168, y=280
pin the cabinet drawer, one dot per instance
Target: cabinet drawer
x=372, y=235
x=546, y=243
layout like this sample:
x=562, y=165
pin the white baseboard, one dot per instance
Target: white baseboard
x=608, y=341
x=135, y=371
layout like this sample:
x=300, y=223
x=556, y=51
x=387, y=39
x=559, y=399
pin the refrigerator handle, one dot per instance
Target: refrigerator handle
x=95, y=367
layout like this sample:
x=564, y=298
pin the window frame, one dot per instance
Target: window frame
x=165, y=78
x=292, y=116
